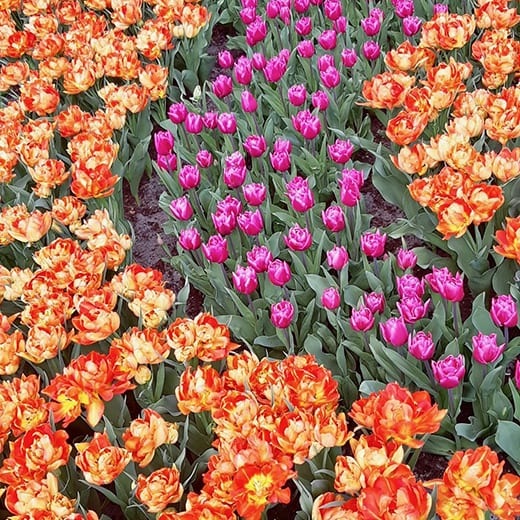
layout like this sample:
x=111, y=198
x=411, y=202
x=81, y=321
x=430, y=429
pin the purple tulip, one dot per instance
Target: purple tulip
x=282, y=314
x=259, y=258
x=279, y=272
x=305, y=49
x=411, y=25
x=362, y=319
x=373, y=244
x=177, y=113
x=222, y=86
x=245, y=280
x=421, y=346
x=337, y=258
x=254, y=193
x=255, y=145
x=163, y=141
x=243, y=71
x=215, y=250
x=330, y=299
x=189, y=239
x=193, y=123
x=341, y=151
x=371, y=50
x=303, y=26
x=449, y=372
x=248, y=102
x=251, y=222
x=181, y=208
x=225, y=59
x=297, y=94
x=371, y=25
x=485, y=348
x=349, y=57
x=328, y=40
x=504, y=312
x=320, y=100
x=227, y=123
x=204, y=158
x=394, y=331
x=298, y=239
x=375, y=302
x=406, y=259
x=333, y=218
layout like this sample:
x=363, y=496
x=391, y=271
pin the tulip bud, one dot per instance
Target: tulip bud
x=204, y=158
x=243, y=71
x=449, y=372
x=305, y=49
x=375, y=302
x=371, y=25
x=373, y=244
x=421, y=346
x=485, y=348
x=226, y=123
x=362, y=319
x=209, y=120
x=394, y=331
x=333, y=218
x=371, y=50
x=282, y=314
x=340, y=25
x=189, y=177
x=406, y=259
x=440, y=8
x=163, y=141
x=225, y=59
x=300, y=6
x=258, y=60
x=411, y=25
x=279, y=272
x=167, y=162
x=248, y=101
x=259, y=258
x=215, y=250
x=504, y=312
x=330, y=298
x=181, y=208
x=337, y=257
x=222, y=86
x=251, y=222
x=297, y=95
x=193, y=123
x=332, y=9
x=189, y=239
x=330, y=77
x=349, y=57
x=254, y=193
x=247, y=15
x=244, y=279
x=177, y=113
x=272, y=9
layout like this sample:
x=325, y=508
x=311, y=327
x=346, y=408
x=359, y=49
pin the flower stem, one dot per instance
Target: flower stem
x=455, y=310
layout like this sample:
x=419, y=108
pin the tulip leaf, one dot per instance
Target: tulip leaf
x=439, y=445
x=268, y=341
x=369, y=387
x=508, y=438
x=313, y=345
x=516, y=399
x=480, y=316
x=472, y=430
x=111, y=496
x=317, y=283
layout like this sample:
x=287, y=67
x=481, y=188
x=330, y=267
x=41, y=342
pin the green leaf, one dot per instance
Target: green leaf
x=104, y=491
x=516, y=399
x=369, y=387
x=440, y=445
x=472, y=430
x=508, y=438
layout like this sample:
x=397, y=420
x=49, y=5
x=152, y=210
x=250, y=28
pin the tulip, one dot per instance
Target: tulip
x=272, y=9
x=373, y=244
x=300, y=195
x=298, y=239
x=215, y=250
x=327, y=39
x=413, y=309
x=282, y=314
x=209, y=120
x=375, y=302
x=222, y=86
x=341, y=151
x=297, y=95
x=377, y=13
x=226, y=123
x=248, y=101
x=189, y=177
x=394, y=331
x=282, y=145
x=204, y=158
x=247, y=15
x=485, y=348
x=189, y=239
x=235, y=170
x=350, y=192
x=362, y=319
x=517, y=374
x=330, y=298
x=244, y=279
x=332, y=9
x=275, y=69
x=325, y=61
x=163, y=141
x=371, y=25
x=225, y=59
x=300, y=6
x=409, y=285
x=308, y=125
x=449, y=372
x=254, y=193
x=181, y=208
x=255, y=145
x=251, y=222
x=258, y=60
x=411, y=25
x=305, y=49
x=280, y=161
x=356, y=176
x=333, y=218
x=259, y=258
x=421, y=346
x=404, y=8
x=230, y=204
x=371, y=50
x=256, y=31
x=303, y=26
x=406, y=259
x=193, y=123
x=279, y=272
x=320, y=100
x=243, y=71
x=177, y=113
x=330, y=77
x=440, y=8
x=349, y=57
x=452, y=289
x=504, y=312
x=224, y=222
x=337, y=258
x=167, y=162
x=340, y=25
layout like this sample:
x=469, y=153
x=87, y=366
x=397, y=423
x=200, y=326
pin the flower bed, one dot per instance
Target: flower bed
x=325, y=361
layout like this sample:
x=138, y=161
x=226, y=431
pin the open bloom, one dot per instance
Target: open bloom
x=160, y=488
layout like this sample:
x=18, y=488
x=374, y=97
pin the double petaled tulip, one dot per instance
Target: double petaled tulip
x=421, y=346
x=181, y=208
x=362, y=319
x=244, y=279
x=394, y=331
x=282, y=314
x=373, y=244
x=189, y=239
x=259, y=258
x=449, y=371
x=251, y=222
x=330, y=299
x=504, y=312
x=333, y=218
x=279, y=272
x=254, y=193
x=215, y=250
x=337, y=257
x=485, y=348
x=298, y=239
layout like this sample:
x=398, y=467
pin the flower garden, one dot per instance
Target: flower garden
x=330, y=355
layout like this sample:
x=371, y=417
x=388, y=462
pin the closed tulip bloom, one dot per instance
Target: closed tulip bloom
x=453, y=289
x=376, y=12
x=421, y=346
x=353, y=175
x=440, y=8
x=222, y=86
x=350, y=192
x=163, y=141
x=373, y=244
x=189, y=177
x=297, y=95
x=298, y=239
x=193, y=123
x=485, y=348
x=245, y=280
x=413, y=309
x=330, y=77
x=224, y=222
x=167, y=162
x=259, y=258
x=362, y=319
x=330, y=298
x=248, y=102
x=333, y=218
x=225, y=59
x=394, y=331
x=209, y=120
x=243, y=71
x=404, y=8
x=300, y=195
x=177, y=113
x=181, y=208
x=341, y=151
x=307, y=124
x=325, y=61
x=272, y=9
x=282, y=314
x=251, y=222
x=371, y=25
x=371, y=50
x=332, y=9
x=230, y=204
x=275, y=69
x=204, y=158
x=235, y=171
x=227, y=123
x=303, y=26
x=327, y=39
x=320, y=100
x=189, y=239
x=504, y=312
x=349, y=57
x=375, y=302
x=282, y=145
x=255, y=145
x=340, y=25
x=279, y=272
x=300, y=6
x=337, y=257
x=215, y=250
x=258, y=60
x=247, y=15
x=254, y=193
x=409, y=285
x=305, y=49
x=449, y=372
x=411, y=25
x=406, y=259
x=256, y=31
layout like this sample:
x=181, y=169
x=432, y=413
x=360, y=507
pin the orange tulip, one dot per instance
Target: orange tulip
x=447, y=31
x=39, y=96
x=45, y=342
x=31, y=227
x=411, y=159
x=406, y=127
x=88, y=184
x=496, y=15
x=48, y=175
x=485, y=199
x=406, y=57
x=93, y=323
x=454, y=218
x=154, y=79
x=160, y=488
x=321, y=510
x=100, y=461
x=11, y=345
x=387, y=90
x=199, y=391
x=153, y=38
